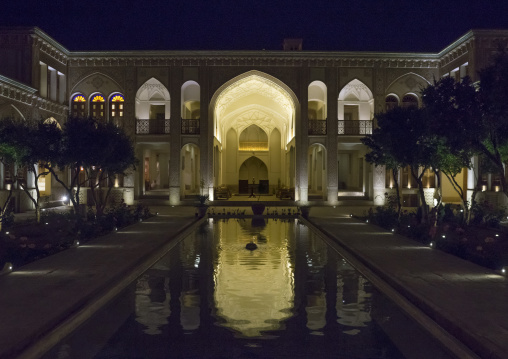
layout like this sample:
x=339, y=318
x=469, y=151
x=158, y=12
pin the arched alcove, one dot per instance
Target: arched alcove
x=152, y=100
x=317, y=93
x=249, y=112
x=317, y=171
x=190, y=100
x=356, y=109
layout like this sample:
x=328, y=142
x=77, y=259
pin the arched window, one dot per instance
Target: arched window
x=116, y=109
x=317, y=108
x=190, y=100
x=409, y=101
x=97, y=103
x=78, y=106
x=391, y=102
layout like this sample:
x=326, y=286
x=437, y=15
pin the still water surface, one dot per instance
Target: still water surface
x=209, y=297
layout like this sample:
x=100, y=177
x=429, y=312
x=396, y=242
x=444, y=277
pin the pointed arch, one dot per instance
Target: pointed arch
x=355, y=109
x=407, y=83
x=10, y=111
x=190, y=100
x=95, y=82
x=153, y=100
x=317, y=98
x=254, y=83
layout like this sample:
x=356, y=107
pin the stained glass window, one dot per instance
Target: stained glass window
x=98, y=98
x=78, y=106
x=116, y=109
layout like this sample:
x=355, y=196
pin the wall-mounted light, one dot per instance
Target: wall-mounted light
x=7, y=268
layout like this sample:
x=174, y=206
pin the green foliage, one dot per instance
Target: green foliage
x=386, y=217
x=202, y=200
x=7, y=218
x=487, y=214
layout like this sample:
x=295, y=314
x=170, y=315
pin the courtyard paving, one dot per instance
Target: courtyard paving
x=43, y=301
x=467, y=300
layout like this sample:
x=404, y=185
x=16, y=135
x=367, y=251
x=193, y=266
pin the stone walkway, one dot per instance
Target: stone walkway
x=468, y=301
x=43, y=301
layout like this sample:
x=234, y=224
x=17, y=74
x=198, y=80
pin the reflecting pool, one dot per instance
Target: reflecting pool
x=210, y=297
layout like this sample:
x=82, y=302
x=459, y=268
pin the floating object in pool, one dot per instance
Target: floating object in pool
x=251, y=246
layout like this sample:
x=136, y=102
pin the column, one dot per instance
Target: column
x=471, y=178
x=378, y=182
x=175, y=87
x=206, y=136
x=331, y=135
x=302, y=139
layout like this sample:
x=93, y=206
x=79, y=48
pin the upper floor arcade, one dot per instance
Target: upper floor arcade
x=339, y=91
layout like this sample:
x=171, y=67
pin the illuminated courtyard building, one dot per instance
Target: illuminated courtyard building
x=201, y=120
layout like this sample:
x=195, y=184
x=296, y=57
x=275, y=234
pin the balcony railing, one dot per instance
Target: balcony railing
x=152, y=126
x=317, y=127
x=190, y=126
x=355, y=127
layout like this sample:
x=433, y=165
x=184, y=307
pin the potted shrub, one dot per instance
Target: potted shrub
x=202, y=205
x=258, y=208
x=305, y=210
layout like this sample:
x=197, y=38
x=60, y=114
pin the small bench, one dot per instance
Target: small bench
x=222, y=192
x=286, y=193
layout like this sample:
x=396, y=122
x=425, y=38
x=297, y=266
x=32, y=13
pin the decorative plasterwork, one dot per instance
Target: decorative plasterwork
x=409, y=82
x=253, y=59
x=150, y=88
x=27, y=96
x=258, y=115
x=254, y=85
x=356, y=88
x=50, y=50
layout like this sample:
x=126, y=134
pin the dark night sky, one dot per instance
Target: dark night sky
x=377, y=25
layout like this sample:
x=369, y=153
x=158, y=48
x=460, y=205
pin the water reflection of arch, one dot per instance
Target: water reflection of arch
x=353, y=301
x=254, y=291
x=152, y=302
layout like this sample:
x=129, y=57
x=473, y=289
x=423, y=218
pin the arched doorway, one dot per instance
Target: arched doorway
x=253, y=177
x=253, y=122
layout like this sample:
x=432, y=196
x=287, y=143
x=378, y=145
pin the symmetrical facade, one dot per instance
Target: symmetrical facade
x=270, y=120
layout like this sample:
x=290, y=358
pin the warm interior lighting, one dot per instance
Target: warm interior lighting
x=253, y=146
x=41, y=183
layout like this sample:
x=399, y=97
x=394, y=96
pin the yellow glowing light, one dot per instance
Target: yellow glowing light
x=41, y=184
x=79, y=98
x=117, y=98
x=98, y=98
